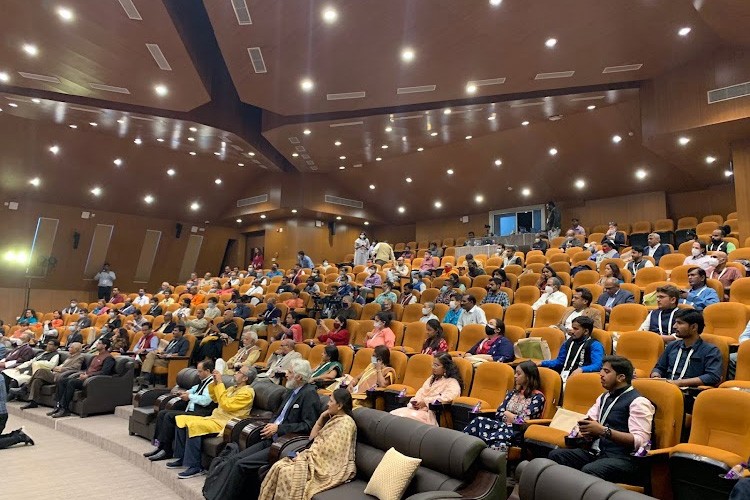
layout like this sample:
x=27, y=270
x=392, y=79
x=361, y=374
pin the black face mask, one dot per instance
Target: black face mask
x=716, y=240
x=489, y=330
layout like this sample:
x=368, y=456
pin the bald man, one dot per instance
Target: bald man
x=719, y=270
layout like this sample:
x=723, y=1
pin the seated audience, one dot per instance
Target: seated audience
x=510, y=258
x=280, y=362
x=72, y=308
x=137, y=323
x=338, y=336
x=286, y=285
x=541, y=242
x=185, y=310
x=211, y=311
x=427, y=312
x=311, y=286
x=442, y=387
x=656, y=248
x=142, y=299
x=580, y=305
x=661, y=319
x=689, y=361
x=472, y=314
x=718, y=270
x=613, y=296
x=178, y=346
x=732, y=368
x=329, y=368
x=20, y=354
x=428, y=265
x=386, y=294
x=617, y=424
x=327, y=463
x=48, y=376
x=120, y=341
x=494, y=347
x=610, y=270
x=551, y=295
x=571, y=240
x=17, y=379
x=101, y=308
x=254, y=293
x=698, y=256
x=168, y=325
x=346, y=310
x=117, y=297
x=51, y=328
x=197, y=401
x=149, y=342
x=289, y=329
x=524, y=402
x=295, y=302
x=372, y=281
x=608, y=251
x=28, y=318
x=407, y=253
x=154, y=308
x=82, y=322
x=637, y=262
x=495, y=295
x=274, y=271
x=234, y=402
x=378, y=373
x=435, y=342
x=454, y=309
x=718, y=243
x=587, y=352
x=699, y=295
x=502, y=276
x=269, y=317
x=614, y=235
x=240, y=308
x=474, y=269
x=381, y=334
x=407, y=295
x=246, y=355
x=545, y=274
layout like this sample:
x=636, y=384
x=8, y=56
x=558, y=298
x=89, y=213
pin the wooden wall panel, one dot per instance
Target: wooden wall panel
x=622, y=209
x=300, y=234
x=712, y=200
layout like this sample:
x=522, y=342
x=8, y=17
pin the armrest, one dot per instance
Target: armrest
x=660, y=451
x=148, y=397
x=234, y=427
x=286, y=444
x=538, y=421
x=174, y=358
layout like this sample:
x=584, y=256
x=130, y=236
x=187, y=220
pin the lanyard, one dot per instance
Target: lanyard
x=700, y=291
x=669, y=326
x=603, y=416
x=677, y=362
x=567, y=355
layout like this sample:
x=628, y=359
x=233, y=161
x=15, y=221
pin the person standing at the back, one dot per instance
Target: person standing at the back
x=106, y=280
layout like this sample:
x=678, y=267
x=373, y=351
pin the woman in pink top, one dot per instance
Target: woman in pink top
x=381, y=334
x=290, y=329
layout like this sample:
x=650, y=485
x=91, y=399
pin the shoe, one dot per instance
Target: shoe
x=177, y=464
x=152, y=453
x=61, y=413
x=162, y=455
x=55, y=410
x=191, y=472
x=30, y=405
x=26, y=439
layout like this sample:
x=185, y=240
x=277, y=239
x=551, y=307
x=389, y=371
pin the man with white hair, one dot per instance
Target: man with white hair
x=300, y=409
x=656, y=248
x=280, y=361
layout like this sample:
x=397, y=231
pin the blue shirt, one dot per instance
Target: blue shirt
x=305, y=261
x=702, y=360
x=700, y=298
x=199, y=395
x=596, y=355
x=452, y=316
x=273, y=273
x=501, y=350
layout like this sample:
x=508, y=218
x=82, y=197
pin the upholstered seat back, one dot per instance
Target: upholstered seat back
x=187, y=378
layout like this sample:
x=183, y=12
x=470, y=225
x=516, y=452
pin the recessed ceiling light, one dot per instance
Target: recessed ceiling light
x=251, y=153
x=194, y=206
x=407, y=55
x=551, y=42
x=295, y=155
x=65, y=14
x=96, y=191
x=54, y=149
x=401, y=210
x=591, y=107
x=307, y=131
x=171, y=172
x=403, y=138
x=13, y=105
x=491, y=117
x=342, y=157
x=4, y=77
x=526, y=192
x=121, y=121
x=710, y=159
x=384, y=146
x=433, y=134
x=366, y=223
x=330, y=15
x=240, y=164
x=525, y=123
x=471, y=88
x=498, y=162
x=262, y=216
x=468, y=137
x=294, y=210
x=438, y=204
x=217, y=181
x=684, y=31
x=36, y=100
x=388, y=129
x=641, y=174
x=118, y=161
x=447, y=111
x=239, y=221
x=193, y=129
x=217, y=153
x=148, y=199
x=378, y=159
x=338, y=217
x=580, y=184
x=191, y=139
x=35, y=182
x=306, y=85
x=73, y=126
x=683, y=141
x=616, y=139
x=728, y=173
x=372, y=186
x=408, y=179
x=420, y=149
x=93, y=124
x=192, y=153
x=495, y=3
x=342, y=167
x=553, y=151
x=138, y=141
x=479, y=198
x=30, y=49
x=449, y=171
x=161, y=90
x=337, y=143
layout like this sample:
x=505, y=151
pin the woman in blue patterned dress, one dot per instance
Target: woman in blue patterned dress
x=524, y=402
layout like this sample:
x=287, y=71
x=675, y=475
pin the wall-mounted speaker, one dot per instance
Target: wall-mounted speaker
x=177, y=230
x=76, y=239
x=332, y=228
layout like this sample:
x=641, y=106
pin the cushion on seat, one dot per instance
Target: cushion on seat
x=546, y=434
x=143, y=415
x=212, y=444
x=554, y=480
x=727, y=457
x=392, y=475
x=353, y=490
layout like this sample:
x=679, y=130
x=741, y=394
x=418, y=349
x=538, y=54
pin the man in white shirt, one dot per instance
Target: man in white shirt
x=401, y=268
x=472, y=313
x=106, y=280
x=427, y=312
x=256, y=292
x=698, y=256
x=142, y=299
x=551, y=295
x=212, y=311
x=656, y=248
x=661, y=319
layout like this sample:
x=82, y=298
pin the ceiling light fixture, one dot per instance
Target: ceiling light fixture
x=491, y=117
x=262, y=216
x=372, y=186
x=330, y=15
x=217, y=153
x=447, y=111
x=4, y=77
x=616, y=139
x=384, y=146
x=388, y=129
x=498, y=162
x=295, y=155
x=685, y=31
x=294, y=210
x=217, y=181
x=580, y=184
x=526, y=192
x=118, y=161
x=30, y=49
x=438, y=204
x=342, y=157
x=73, y=126
x=13, y=105
x=159, y=139
x=337, y=143
x=54, y=149
x=728, y=173
x=525, y=123
x=191, y=139
x=138, y=141
x=366, y=223
x=307, y=131
x=710, y=159
x=420, y=149
x=36, y=100
x=96, y=191
x=407, y=55
x=240, y=164
x=342, y=167
x=121, y=121
x=551, y=42
x=471, y=88
x=683, y=141
x=35, y=182
x=479, y=198
x=338, y=217
x=65, y=14
x=449, y=171
x=193, y=129
x=641, y=174
x=93, y=124
x=306, y=85
x=553, y=151
x=401, y=210
x=495, y=3
x=468, y=137
x=239, y=221
x=591, y=107
x=433, y=134
x=171, y=172
x=378, y=159
x=161, y=90
x=194, y=206
x=408, y=179
x=148, y=199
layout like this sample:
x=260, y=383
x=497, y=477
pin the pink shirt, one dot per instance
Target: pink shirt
x=384, y=337
x=639, y=421
x=427, y=264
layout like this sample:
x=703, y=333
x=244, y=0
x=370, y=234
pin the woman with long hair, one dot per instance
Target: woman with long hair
x=546, y=273
x=329, y=368
x=524, y=402
x=257, y=259
x=610, y=271
x=435, y=342
x=327, y=463
x=443, y=386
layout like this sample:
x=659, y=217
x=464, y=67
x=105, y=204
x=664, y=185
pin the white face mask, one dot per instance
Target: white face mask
x=377, y=324
x=425, y=311
x=453, y=304
x=696, y=252
x=713, y=261
x=374, y=360
x=548, y=289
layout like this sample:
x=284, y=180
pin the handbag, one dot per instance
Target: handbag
x=532, y=347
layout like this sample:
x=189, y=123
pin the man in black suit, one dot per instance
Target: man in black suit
x=656, y=248
x=613, y=295
x=238, y=477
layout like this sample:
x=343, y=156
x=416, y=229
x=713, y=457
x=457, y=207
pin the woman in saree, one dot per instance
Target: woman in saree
x=377, y=374
x=329, y=368
x=443, y=386
x=327, y=463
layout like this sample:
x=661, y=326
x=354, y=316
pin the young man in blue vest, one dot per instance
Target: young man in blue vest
x=618, y=424
x=661, y=319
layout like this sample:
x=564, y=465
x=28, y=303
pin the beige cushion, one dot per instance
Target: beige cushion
x=392, y=476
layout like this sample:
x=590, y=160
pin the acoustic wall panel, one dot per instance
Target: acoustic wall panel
x=98, y=251
x=40, y=259
x=191, y=256
x=148, y=255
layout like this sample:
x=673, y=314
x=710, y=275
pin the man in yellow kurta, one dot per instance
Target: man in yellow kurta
x=235, y=401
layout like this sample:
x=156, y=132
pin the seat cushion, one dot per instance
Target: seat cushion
x=212, y=445
x=47, y=389
x=545, y=434
x=353, y=490
x=727, y=457
x=392, y=476
x=143, y=415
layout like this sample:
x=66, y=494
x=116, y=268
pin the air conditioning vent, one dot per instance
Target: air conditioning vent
x=129, y=8
x=489, y=81
x=410, y=117
x=336, y=200
x=109, y=88
x=587, y=98
x=294, y=140
x=253, y=200
x=85, y=110
x=158, y=56
x=623, y=68
x=242, y=13
x=415, y=90
x=42, y=78
x=345, y=124
x=299, y=148
x=554, y=74
x=727, y=93
x=345, y=95
x=526, y=104
x=256, y=58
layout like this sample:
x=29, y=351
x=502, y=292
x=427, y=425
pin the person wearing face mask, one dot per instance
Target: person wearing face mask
x=719, y=270
x=454, y=309
x=72, y=308
x=427, y=312
x=339, y=335
x=699, y=295
x=472, y=314
x=541, y=242
x=269, y=317
x=718, y=244
x=142, y=299
x=280, y=361
x=275, y=271
x=154, y=308
x=401, y=268
x=75, y=328
x=372, y=281
x=346, y=310
x=494, y=347
x=427, y=266
x=361, y=249
x=581, y=353
x=407, y=295
x=551, y=295
x=101, y=308
x=378, y=373
x=381, y=333
x=697, y=256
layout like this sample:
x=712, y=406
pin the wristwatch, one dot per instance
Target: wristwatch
x=607, y=433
